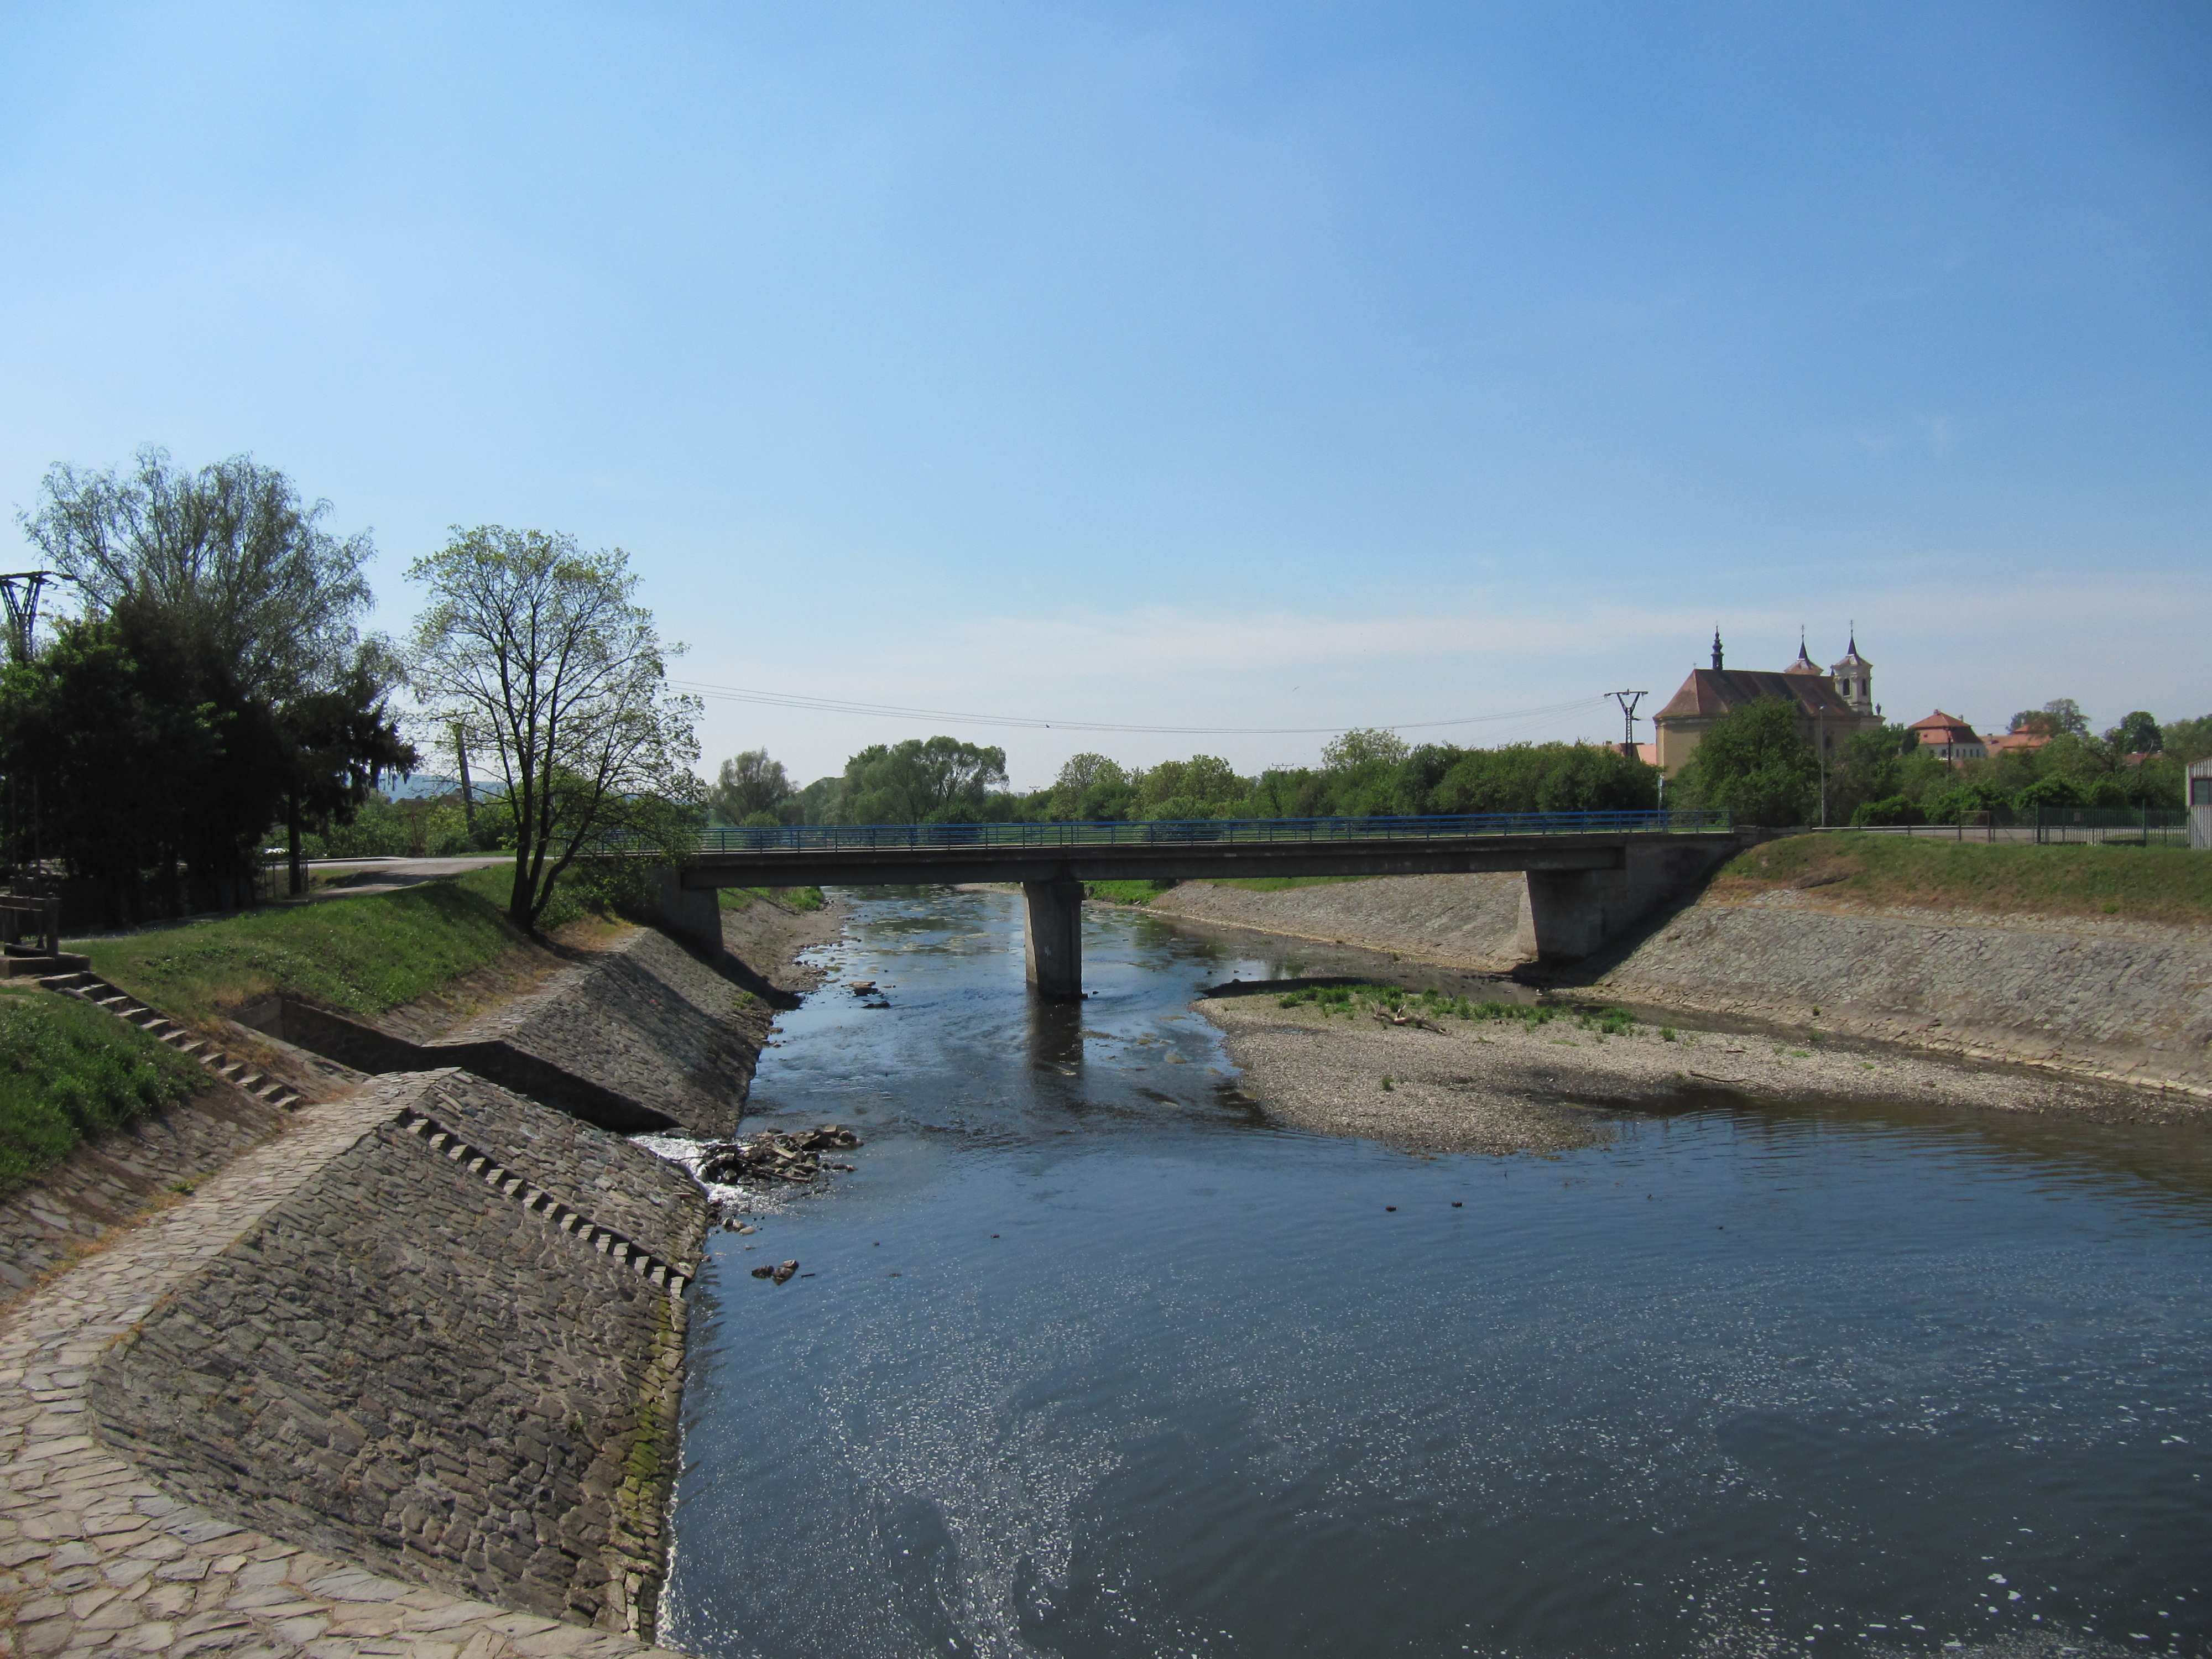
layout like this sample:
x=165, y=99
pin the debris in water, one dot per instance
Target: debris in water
x=776, y=1156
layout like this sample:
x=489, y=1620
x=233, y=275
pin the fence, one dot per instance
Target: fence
x=2130, y=825
x=908, y=837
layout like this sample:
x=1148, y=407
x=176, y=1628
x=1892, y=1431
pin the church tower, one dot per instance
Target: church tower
x=1854, y=676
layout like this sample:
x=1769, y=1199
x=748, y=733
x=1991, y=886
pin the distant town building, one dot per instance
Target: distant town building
x=1831, y=706
x=2016, y=743
x=1949, y=737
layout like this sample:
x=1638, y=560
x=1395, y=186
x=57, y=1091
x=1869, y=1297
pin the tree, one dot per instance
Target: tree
x=1363, y=746
x=921, y=781
x=2137, y=734
x=1090, y=787
x=747, y=784
x=143, y=754
x=230, y=550
x=1755, y=763
x=540, y=650
x=2188, y=740
x=337, y=745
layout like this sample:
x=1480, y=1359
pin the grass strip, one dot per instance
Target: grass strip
x=1362, y=998
x=69, y=1072
x=801, y=899
x=360, y=956
x=2170, y=885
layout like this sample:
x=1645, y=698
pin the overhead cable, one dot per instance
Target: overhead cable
x=1032, y=722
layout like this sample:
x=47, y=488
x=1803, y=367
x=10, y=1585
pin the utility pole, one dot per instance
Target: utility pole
x=21, y=591
x=1628, y=700
x=1820, y=744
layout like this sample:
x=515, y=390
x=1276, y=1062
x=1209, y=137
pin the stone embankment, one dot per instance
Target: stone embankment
x=2093, y=997
x=405, y=1378
x=96, y=1557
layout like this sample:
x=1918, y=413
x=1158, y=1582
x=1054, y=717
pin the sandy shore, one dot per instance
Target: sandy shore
x=1499, y=1086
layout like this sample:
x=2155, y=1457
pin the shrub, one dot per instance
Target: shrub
x=1893, y=810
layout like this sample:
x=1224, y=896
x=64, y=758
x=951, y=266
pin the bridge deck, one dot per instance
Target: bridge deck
x=915, y=854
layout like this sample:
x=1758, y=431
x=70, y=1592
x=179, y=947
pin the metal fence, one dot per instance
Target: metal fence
x=2138, y=826
x=909, y=837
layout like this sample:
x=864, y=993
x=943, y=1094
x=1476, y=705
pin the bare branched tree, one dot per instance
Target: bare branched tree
x=540, y=651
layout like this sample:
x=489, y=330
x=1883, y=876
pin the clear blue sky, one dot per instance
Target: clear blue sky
x=1266, y=365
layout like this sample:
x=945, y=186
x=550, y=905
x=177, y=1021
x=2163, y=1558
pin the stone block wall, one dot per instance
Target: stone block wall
x=441, y=1377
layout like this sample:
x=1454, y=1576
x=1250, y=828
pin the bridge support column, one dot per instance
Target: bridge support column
x=1052, y=937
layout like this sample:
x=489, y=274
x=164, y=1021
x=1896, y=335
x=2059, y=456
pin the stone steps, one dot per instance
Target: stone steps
x=606, y=1241
x=89, y=987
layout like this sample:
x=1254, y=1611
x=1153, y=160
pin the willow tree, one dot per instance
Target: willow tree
x=540, y=653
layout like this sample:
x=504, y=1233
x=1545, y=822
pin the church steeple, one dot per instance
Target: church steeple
x=1804, y=665
x=1854, y=676
x=1716, y=648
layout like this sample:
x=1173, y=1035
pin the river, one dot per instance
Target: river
x=1087, y=1358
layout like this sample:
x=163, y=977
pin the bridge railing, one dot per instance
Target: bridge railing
x=934, y=837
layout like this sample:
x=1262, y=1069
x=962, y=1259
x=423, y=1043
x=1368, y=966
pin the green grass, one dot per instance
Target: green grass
x=69, y=1071
x=1284, y=884
x=790, y=898
x=2145, y=883
x=360, y=956
x=1126, y=892
x=1353, y=1000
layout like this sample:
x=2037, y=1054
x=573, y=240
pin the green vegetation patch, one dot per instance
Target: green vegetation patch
x=2146, y=883
x=68, y=1072
x=1355, y=1000
x=790, y=898
x=1126, y=892
x=360, y=956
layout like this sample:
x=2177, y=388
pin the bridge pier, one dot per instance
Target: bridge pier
x=1052, y=937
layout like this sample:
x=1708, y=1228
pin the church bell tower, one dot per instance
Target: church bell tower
x=1854, y=676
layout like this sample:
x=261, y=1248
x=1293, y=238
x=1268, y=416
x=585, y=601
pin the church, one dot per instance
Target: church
x=1831, y=704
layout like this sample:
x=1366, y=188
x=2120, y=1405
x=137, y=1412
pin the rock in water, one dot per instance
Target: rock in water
x=763, y=1271
x=783, y=1270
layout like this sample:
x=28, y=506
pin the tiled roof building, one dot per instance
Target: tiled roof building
x=1827, y=714
x=1949, y=737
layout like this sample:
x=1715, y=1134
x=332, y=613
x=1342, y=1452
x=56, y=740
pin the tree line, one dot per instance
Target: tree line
x=1363, y=773
x=1757, y=763
x=215, y=688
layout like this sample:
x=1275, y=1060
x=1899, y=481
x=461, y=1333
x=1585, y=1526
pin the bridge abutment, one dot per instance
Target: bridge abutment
x=1052, y=937
x=1567, y=915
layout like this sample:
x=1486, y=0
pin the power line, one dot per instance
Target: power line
x=1031, y=722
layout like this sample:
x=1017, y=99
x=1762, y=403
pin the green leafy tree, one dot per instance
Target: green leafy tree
x=1090, y=787
x=1203, y=787
x=2188, y=740
x=1755, y=763
x=540, y=651
x=748, y=788
x=921, y=781
x=2137, y=734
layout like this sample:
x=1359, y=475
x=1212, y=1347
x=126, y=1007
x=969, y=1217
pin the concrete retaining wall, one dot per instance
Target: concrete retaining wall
x=441, y=1378
x=1460, y=922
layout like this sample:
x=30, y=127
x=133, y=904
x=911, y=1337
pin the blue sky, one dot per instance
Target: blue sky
x=1268, y=366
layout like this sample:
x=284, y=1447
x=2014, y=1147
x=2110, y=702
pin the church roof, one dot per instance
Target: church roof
x=1804, y=665
x=1711, y=692
x=1850, y=658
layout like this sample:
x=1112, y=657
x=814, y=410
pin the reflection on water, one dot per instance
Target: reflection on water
x=1094, y=1361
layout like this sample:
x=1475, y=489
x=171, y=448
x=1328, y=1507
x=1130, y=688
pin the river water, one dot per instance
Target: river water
x=1089, y=1359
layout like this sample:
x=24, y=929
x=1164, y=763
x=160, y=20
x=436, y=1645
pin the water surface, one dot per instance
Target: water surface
x=1087, y=1359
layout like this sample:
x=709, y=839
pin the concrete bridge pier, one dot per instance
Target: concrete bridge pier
x=1052, y=937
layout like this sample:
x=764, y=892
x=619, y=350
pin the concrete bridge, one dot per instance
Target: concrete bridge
x=1590, y=875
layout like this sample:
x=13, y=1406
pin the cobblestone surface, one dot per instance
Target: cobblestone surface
x=95, y=1557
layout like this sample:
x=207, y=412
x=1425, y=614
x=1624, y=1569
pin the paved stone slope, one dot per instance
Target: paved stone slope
x=95, y=1557
x=645, y=1020
x=1461, y=922
x=2107, y=997
x=405, y=1366
x=104, y=1182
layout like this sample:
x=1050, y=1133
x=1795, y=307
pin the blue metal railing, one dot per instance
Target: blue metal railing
x=912, y=837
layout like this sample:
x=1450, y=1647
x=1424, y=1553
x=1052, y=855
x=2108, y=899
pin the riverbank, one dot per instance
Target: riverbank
x=336, y=1428
x=1499, y=1085
x=2086, y=962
